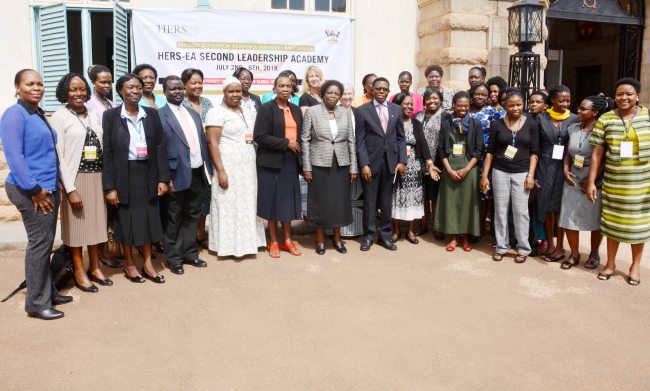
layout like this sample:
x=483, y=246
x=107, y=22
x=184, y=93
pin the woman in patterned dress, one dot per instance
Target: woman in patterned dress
x=193, y=81
x=408, y=190
x=430, y=119
x=235, y=229
x=622, y=136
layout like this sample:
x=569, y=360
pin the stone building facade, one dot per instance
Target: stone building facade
x=456, y=34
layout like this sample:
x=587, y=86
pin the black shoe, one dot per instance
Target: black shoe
x=388, y=244
x=177, y=269
x=421, y=233
x=48, y=314
x=413, y=240
x=60, y=299
x=340, y=247
x=366, y=244
x=195, y=262
x=320, y=248
x=159, y=279
x=89, y=289
x=106, y=282
x=136, y=279
x=474, y=239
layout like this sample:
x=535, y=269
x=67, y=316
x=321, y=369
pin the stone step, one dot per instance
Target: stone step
x=4, y=200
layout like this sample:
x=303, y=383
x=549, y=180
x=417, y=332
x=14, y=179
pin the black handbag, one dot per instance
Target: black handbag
x=61, y=268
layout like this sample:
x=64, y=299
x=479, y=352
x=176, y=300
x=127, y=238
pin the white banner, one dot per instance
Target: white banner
x=218, y=42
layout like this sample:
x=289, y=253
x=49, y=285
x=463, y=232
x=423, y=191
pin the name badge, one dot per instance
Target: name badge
x=141, y=150
x=558, y=152
x=248, y=136
x=408, y=150
x=579, y=161
x=90, y=152
x=458, y=150
x=510, y=152
x=627, y=149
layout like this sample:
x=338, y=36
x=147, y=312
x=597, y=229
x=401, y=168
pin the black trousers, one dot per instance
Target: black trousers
x=41, y=229
x=183, y=210
x=379, y=190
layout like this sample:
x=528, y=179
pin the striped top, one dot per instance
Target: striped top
x=610, y=131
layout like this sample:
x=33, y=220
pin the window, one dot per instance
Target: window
x=330, y=5
x=298, y=5
x=74, y=39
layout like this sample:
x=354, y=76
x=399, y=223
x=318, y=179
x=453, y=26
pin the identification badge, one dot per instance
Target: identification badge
x=579, y=161
x=141, y=150
x=558, y=152
x=510, y=152
x=408, y=150
x=248, y=136
x=458, y=150
x=90, y=152
x=626, y=148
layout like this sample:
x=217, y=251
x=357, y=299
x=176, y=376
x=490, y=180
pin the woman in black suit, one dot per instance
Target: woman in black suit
x=135, y=174
x=277, y=134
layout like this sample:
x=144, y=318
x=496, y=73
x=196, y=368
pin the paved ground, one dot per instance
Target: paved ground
x=415, y=319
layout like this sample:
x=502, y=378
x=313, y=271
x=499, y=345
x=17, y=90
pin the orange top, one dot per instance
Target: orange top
x=290, y=126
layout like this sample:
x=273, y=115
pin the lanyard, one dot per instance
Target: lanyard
x=87, y=127
x=514, y=134
x=241, y=114
x=559, y=132
x=628, y=125
x=582, y=141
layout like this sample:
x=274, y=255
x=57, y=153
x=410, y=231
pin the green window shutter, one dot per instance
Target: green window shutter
x=53, y=46
x=120, y=45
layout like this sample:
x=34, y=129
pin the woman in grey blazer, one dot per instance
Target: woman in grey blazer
x=329, y=163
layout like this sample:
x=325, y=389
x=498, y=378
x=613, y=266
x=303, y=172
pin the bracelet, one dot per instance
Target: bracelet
x=529, y=176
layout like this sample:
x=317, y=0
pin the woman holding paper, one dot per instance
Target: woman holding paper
x=512, y=153
x=622, y=136
x=553, y=135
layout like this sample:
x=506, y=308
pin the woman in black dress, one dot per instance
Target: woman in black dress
x=135, y=174
x=278, y=151
x=553, y=135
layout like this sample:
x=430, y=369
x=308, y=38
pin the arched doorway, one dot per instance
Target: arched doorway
x=592, y=43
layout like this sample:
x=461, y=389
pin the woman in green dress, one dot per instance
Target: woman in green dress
x=622, y=136
x=461, y=147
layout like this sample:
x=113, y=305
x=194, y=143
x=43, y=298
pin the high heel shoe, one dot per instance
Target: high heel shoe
x=137, y=279
x=159, y=279
x=88, y=289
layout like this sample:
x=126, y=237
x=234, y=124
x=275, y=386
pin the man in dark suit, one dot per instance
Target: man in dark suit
x=381, y=154
x=190, y=170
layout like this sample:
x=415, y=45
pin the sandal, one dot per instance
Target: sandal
x=574, y=260
x=467, y=248
x=291, y=249
x=604, y=276
x=556, y=258
x=497, y=257
x=592, y=262
x=632, y=281
x=520, y=258
x=274, y=250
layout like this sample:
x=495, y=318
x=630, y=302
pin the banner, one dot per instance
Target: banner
x=218, y=42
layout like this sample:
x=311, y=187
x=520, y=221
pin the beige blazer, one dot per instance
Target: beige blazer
x=318, y=146
x=71, y=136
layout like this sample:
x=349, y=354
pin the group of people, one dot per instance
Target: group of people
x=153, y=169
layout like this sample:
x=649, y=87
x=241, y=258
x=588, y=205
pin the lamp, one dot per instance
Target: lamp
x=524, y=31
x=525, y=24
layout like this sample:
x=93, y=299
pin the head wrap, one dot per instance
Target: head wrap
x=228, y=81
